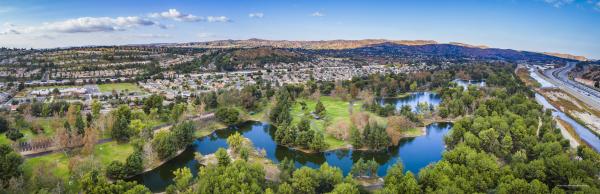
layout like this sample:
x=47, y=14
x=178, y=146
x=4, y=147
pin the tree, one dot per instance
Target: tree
x=318, y=142
x=116, y=170
x=359, y=168
x=4, y=124
x=285, y=188
x=177, y=111
x=183, y=179
x=223, y=158
x=14, y=134
x=355, y=137
x=238, y=177
x=134, y=163
x=235, y=142
x=10, y=164
x=89, y=140
x=286, y=168
x=121, y=120
x=80, y=124
x=229, y=116
x=320, y=109
x=305, y=180
x=371, y=167
x=345, y=188
x=96, y=107
x=164, y=144
x=328, y=177
x=93, y=182
x=184, y=134
x=136, y=126
x=153, y=102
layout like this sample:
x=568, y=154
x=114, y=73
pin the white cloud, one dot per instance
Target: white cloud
x=101, y=24
x=9, y=29
x=598, y=6
x=317, y=14
x=173, y=14
x=217, y=19
x=256, y=15
x=176, y=15
x=559, y=3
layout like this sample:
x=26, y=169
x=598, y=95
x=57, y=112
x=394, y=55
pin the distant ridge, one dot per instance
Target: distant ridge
x=567, y=56
x=430, y=47
x=323, y=44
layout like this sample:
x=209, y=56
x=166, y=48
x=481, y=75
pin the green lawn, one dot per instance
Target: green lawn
x=59, y=164
x=107, y=152
x=336, y=109
x=59, y=161
x=45, y=123
x=131, y=87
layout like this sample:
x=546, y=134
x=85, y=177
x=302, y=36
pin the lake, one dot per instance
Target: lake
x=415, y=153
x=413, y=100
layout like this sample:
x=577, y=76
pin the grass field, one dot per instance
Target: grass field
x=131, y=87
x=336, y=110
x=59, y=161
x=45, y=123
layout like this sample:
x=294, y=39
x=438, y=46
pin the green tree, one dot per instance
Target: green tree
x=96, y=107
x=93, y=182
x=183, y=179
x=183, y=134
x=4, y=124
x=80, y=124
x=223, y=158
x=10, y=164
x=345, y=188
x=318, y=142
x=320, y=109
x=305, y=180
x=328, y=177
x=238, y=177
x=120, y=128
x=164, y=144
x=229, y=116
x=235, y=142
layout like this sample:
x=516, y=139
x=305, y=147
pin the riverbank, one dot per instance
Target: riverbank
x=569, y=133
x=573, y=108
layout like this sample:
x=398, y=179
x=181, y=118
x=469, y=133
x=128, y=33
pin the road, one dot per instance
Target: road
x=560, y=78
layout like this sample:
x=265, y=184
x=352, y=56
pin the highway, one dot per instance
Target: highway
x=560, y=78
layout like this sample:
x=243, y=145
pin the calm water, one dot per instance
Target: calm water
x=413, y=100
x=414, y=153
x=584, y=133
x=466, y=83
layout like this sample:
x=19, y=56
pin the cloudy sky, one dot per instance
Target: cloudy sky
x=567, y=26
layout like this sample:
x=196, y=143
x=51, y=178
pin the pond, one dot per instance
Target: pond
x=467, y=83
x=584, y=133
x=415, y=153
x=413, y=100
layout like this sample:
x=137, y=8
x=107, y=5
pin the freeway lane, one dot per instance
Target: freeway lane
x=559, y=77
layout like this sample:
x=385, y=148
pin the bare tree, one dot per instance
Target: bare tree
x=89, y=140
x=396, y=126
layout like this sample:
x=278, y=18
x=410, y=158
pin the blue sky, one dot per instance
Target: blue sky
x=566, y=26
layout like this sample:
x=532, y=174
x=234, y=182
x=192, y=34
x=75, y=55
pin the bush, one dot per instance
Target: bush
x=116, y=170
x=14, y=134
